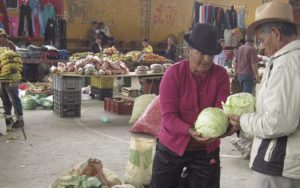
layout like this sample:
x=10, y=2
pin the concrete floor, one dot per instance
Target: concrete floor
x=56, y=144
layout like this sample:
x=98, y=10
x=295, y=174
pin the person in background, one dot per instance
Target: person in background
x=9, y=92
x=246, y=68
x=186, y=89
x=275, y=125
x=97, y=46
x=147, y=48
x=220, y=59
x=105, y=33
x=95, y=31
x=171, y=49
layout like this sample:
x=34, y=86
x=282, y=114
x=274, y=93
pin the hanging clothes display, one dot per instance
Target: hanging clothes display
x=62, y=25
x=3, y=11
x=50, y=32
x=196, y=8
x=241, y=18
x=25, y=11
x=233, y=17
x=35, y=6
x=226, y=21
x=48, y=13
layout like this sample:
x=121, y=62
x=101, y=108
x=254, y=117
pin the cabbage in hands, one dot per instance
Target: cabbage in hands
x=212, y=122
x=239, y=103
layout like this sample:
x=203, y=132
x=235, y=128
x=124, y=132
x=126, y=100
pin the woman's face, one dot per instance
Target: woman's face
x=199, y=62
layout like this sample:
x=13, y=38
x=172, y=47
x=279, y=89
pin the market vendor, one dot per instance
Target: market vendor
x=10, y=92
x=186, y=89
x=147, y=48
x=97, y=46
x=171, y=49
x=95, y=31
x=105, y=33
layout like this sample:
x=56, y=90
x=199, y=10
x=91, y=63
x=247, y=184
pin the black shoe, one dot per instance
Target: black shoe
x=9, y=123
x=18, y=124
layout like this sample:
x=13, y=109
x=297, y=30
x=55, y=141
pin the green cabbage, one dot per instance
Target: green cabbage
x=212, y=122
x=238, y=104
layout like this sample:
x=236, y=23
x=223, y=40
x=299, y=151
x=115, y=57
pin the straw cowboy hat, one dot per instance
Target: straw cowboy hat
x=272, y=11
x=204, y=39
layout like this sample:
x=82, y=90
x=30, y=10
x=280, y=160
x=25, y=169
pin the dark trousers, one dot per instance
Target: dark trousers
x=203, y=169
x=10, y=97
x=25, y=11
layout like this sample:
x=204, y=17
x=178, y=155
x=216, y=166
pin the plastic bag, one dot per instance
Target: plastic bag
x=149, y=122
x=140, y=105
x=139, y=167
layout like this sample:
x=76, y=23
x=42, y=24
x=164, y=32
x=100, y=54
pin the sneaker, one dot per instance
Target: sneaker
x=18, y=124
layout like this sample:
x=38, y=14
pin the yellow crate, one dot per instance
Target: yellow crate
x=102, y=83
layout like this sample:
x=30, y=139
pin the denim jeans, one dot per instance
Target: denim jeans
x=246, y=82
x=10, y=97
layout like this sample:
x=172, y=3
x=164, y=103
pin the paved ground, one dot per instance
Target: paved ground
x=56, y=144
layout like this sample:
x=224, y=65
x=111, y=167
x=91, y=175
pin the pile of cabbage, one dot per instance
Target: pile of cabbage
x=213, y=122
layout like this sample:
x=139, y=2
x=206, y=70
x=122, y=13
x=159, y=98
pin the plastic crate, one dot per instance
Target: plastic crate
x=100, y=94
x=67, y=83
x=67, y=97
x=118, y=105
x=68, y=110
x=102, y=83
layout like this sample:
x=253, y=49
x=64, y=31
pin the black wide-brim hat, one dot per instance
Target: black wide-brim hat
x=204, y=39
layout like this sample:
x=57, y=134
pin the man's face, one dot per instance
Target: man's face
x=199, y=62
x=270, y=42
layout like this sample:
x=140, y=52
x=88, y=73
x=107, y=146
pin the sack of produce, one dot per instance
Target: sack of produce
x=149, y=122
x=29, y=102
x=111, y=176
x=140, y=105
x=239, y=103
x=139, y=167
x=212, y=122
x=46, y=103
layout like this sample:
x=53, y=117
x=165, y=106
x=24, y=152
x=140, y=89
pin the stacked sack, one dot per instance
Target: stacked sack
x=10, y=64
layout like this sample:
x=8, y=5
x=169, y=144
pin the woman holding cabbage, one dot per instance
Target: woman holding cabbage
x=186, y=89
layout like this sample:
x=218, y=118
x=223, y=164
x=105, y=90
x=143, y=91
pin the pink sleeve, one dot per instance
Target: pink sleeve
x=223, y=90
x=169, y=104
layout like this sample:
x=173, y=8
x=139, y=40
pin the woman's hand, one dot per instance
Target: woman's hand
x=197, y=136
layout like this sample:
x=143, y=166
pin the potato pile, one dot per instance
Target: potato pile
x=92, y=65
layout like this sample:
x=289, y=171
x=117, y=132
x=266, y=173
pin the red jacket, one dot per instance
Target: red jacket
x=181, y=102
